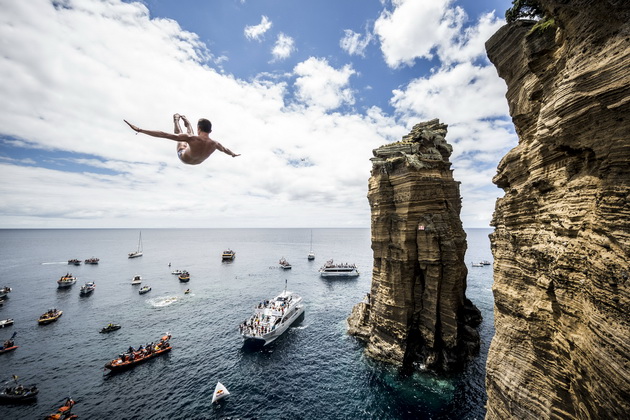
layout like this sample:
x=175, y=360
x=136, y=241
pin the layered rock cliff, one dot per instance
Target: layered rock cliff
x=417, y=310
x=561, y=244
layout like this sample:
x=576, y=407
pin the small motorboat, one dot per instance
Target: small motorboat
x=184, y=277
x=284, y=264
x=137, y=279
x=66, y=281
x=177, y=272
x=477, y=264
x=110, y=327
x=18, y=393
x=220, y=391
x=6, y=322
x=92, y=260
x=74, y=261
x=134, y=357
x=88, y=288
x=5, y=291
x=144, y=289
x=50, y=316
x=228, y=255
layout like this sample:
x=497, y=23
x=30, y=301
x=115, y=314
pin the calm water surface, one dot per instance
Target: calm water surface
x=314, y=371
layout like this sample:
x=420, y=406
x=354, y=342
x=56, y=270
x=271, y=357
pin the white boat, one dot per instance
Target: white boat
x=177, y=272
x=6, y=322
x=144, y=289
x=486, y=262
x=88, y=288
x=284, y=264
x=5, y=291
x=271, y=318
x=311, y=254
x=477, y=264
x=137, y=279
x=330, y=269
x=138, y=252
x=66, y=281
x=220, y=391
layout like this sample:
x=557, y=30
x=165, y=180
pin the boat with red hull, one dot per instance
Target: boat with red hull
x=134, y=357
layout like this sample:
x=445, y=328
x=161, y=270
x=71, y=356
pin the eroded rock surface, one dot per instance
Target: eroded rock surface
x=562, y=231
x=417, y=310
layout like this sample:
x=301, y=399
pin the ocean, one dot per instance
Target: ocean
x=314, y=371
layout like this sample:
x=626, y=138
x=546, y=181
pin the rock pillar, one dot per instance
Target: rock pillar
x=417, y=311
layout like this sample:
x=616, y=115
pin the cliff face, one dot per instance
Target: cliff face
x=417, y=310
x=562, y=231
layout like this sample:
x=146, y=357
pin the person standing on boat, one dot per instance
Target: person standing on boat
x=192, y=149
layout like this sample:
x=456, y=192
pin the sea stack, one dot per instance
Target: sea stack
x=417, y=312
x=561, y=243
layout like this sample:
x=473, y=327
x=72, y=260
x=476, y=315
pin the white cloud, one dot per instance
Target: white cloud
x=73, y=73
x=414, y=28
x=354, y=43
x=70, y=94
x=283, y=48
x=256, y=32
x=320, y=85
x=462, y=93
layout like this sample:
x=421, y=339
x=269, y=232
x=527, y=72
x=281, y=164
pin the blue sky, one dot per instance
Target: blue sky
x=304, y=90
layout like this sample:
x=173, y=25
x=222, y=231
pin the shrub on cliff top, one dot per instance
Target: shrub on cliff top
x=524, y=9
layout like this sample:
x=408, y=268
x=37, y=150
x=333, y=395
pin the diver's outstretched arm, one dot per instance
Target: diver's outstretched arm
x=160, y=134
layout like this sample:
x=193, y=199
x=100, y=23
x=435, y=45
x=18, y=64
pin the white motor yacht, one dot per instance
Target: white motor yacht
x=330, y=269
x=271, y=318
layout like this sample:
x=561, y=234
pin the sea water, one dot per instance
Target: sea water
x=314, y=371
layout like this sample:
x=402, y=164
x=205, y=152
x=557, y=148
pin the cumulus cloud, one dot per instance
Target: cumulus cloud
x=354, y=43
x=462, y=90
x=283, y=48
x=69, y=94
x=320, y=85
x=256, y=32
x=414, y=28
x=73, y=72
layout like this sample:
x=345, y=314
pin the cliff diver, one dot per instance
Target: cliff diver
x=192, y=149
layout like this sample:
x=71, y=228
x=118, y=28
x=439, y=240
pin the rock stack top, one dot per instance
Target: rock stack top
x=424, y=147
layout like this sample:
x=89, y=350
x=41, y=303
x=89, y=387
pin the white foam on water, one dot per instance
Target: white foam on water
x=161, y=302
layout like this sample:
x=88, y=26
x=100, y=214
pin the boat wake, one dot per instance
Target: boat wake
x=55, y=262
x=161, y=302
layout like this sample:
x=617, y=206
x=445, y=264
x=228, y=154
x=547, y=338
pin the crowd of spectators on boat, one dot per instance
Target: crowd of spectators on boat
x=144, y=351
x=331, y=264
x=263, y=323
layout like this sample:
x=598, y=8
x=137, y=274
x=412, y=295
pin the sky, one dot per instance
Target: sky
x=303, y=90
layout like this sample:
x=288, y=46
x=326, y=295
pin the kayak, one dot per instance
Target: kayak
x=8, y=349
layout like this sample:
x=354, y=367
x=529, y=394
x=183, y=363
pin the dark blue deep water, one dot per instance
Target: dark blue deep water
x=315, y=371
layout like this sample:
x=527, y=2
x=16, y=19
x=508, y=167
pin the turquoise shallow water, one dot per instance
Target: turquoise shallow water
x=315, y=371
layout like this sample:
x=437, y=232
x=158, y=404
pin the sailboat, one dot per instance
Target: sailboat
x=220, y=391
x=137, y=253
x=311, y=255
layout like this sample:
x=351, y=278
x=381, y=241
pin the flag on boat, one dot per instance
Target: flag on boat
x=220, y=391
